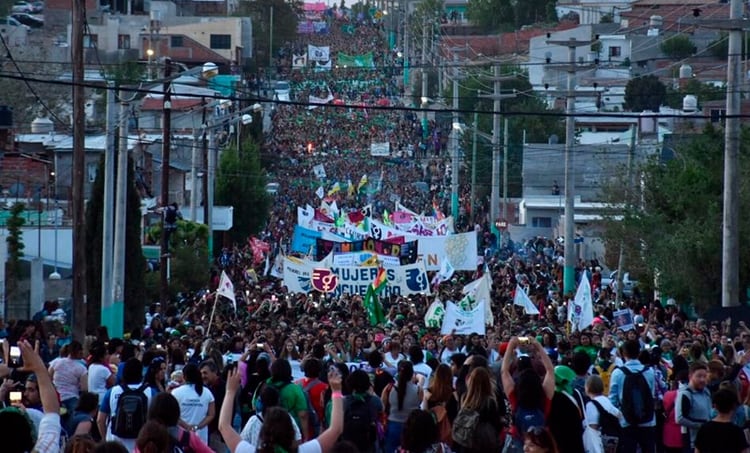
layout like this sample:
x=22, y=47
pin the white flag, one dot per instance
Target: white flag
x=320, y=192
x=226, y=289
x=479, y=290
x=463, y=322
x=434, y=315
x=581, y=309
x=522, y=299
x=445, y=273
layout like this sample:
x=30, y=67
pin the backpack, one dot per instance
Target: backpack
x=525, y=418
x=609, y=425
x=605, y=374
x=359, y=422
x=130, y=416
x=463, y=427
x=181, y=445
x=440, y=414
x=257, y=403
x=312, y=415
x=638, y=405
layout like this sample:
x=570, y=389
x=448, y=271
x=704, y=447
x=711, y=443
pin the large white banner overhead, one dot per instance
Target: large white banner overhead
x=463, y=322
x=402, y=280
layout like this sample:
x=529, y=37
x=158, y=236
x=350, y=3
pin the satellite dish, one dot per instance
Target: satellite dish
x=553, y=139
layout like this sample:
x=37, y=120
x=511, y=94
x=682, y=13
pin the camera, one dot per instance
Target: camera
x=523, y=340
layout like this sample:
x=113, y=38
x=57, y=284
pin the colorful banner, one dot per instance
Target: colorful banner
x=402, y=281
x=356, y=61
x=318, y=53
x=359, y=259
x=305, y=27
x=406, y=252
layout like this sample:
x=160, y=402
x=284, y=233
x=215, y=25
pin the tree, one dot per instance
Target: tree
x=285, y=19
x=241, y=183
x=678, y=47
x=15, y=248
x=680, y=218
x=491, y=15
x=703, y=91
x=645, y=93
x=135, y=263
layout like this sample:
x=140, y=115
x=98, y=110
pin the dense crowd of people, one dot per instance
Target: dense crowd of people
x=278, y=372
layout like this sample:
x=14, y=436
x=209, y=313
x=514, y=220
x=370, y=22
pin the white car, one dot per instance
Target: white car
x=627, y=283
x=281, y=90
x=22, y=7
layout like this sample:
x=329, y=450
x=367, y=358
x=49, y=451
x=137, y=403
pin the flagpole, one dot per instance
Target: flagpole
x=213, y=312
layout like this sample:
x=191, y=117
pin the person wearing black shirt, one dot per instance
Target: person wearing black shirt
x=720, y=435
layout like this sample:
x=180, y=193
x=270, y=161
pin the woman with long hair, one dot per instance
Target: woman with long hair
x=152, y=438
x=481, y=397
x=277, y=434
x=100, y=376
x=399, y=400
x=539, y=440
x=70, y=376
x=165, y=410
x=420, y=434
x=440, y=391
x=197, y=407
x=290, y=353
x=156, y=374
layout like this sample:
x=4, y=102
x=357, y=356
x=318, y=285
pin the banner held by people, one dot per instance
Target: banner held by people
x=581, y=308
x=463, y=322
x=522, y=300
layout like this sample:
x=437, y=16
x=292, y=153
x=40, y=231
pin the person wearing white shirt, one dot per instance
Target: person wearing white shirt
x=420, y=368
x=197, y=407
x=279, y=419
x=100, y=376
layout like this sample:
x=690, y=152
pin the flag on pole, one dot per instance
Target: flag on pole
x=522, y=299
x=433, y=317
x=320, y=192
x=479, y=291
x=445, y=273
x=350, y=189
x=335, y=189
x=362, y=182
x=226, y=289
x=581, y=308
x=371, y=302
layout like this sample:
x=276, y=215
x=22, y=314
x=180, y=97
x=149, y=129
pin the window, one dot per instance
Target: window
x=221, y=41
x=717, y=115
x=90, y=41
x=615, y=52
x=123, y=41
x=541, y=222
x=175, y=41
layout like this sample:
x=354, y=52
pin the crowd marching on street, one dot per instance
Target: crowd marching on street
x=326, y=334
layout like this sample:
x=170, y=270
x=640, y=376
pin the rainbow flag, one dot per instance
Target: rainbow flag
x=371, y=303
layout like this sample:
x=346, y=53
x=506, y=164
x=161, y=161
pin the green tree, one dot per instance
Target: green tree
x=680, y=218
x=678, y=47
x=285, y=19
x=241, y=173
x=645, y=93
x=491, y=15
x=15, y=248
x=135, y=263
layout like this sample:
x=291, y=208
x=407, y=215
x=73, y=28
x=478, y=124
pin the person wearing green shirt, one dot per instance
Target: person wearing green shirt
x=587, y=346
x=291, y=396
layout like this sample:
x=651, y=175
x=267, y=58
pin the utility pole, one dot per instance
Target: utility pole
x=117, y=312
x=166, y=143
x=79, y=168
x=270, y=43
x=424, y=79
x=730, y=255
x=195, y=160
x=506, y=151
x=496, y=97
x=474, y=163
x=109, y=203
x=407, y=83
x=628, y=202
x=210, y=191
x=454, y=143
x=569, y=280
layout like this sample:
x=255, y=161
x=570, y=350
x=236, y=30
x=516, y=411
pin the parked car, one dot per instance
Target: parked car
x=627, y=283
x=38, y=7
x=28, y=19
x=13, y=23
x=22, y=7
x=282, y=89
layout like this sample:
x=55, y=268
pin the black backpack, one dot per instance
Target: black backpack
x=359, y=422
x=609, y=425
x=637, y=401
x=132, y=409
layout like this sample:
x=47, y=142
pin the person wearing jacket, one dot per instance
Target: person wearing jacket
x=671, y=435
x=693, y=405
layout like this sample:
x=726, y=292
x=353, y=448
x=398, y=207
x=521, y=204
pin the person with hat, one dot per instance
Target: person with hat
x=567, y=411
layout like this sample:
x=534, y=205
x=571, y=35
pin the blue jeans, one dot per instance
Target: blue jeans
x=393, y=436
x=638, y=436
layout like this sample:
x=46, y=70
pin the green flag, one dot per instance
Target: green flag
x=373, y=307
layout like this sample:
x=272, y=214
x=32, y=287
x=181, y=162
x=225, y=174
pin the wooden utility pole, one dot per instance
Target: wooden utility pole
x=166, y=144
x=79, y=165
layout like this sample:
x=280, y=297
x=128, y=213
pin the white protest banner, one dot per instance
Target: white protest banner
x=463, y=322
x=581, y=311
x=402, y=280
x=318, y=53
x=299, y=61
x=366, y=259
x=305, y=216
x=433, y=317
x=461, y=250
x=314, y=101
x=522, y=300
x=380, y=149
x=319, y=171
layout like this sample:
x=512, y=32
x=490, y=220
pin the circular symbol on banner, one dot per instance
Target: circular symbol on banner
x=324, y=280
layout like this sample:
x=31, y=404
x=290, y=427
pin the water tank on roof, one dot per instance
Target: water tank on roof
x=155, y=15
x=42, y=126
x=690, y=103
x=686, y=71
x=655, y=21
x=646, y=122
